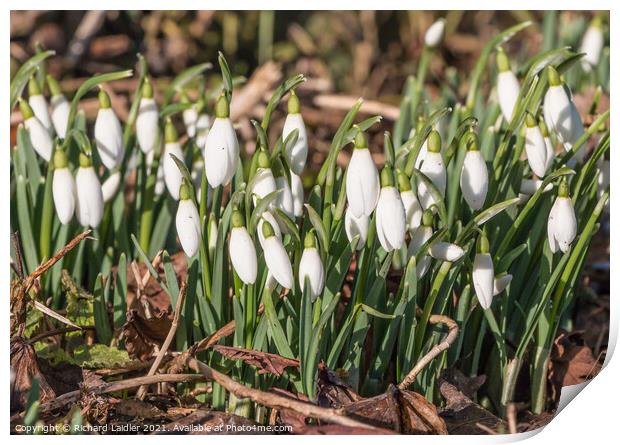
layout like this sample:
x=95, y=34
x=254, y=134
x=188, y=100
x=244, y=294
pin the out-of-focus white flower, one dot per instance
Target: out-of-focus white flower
x=60, y=108
x=108, y=134
x=39, y=137
x=562, y=224
x=202, y=129
x=284, y=199
x=362, y=180
x=297, y=189
x=39, y=105
x=263, y=182
x=444, y=251
x=188, y=222
x=221, y=147
x=311, y=266
x=501, y=282
x=535, y=147
x=276, y=257
x=419, y=237
x=190, y=115
x=241, y=249
x=172, y=174
x=592, y=44
x=390, y=214
x=483, y=274
x=89, y=206
x=474, y=176
x=147, y=122
x=355, y=226
x=295, y=154
x=413, y=209
x=434, y=168
x=603, y=177
x=110, y=186
x=529, y=187
x=63, y=187
x=507, y=85
x=434, y=34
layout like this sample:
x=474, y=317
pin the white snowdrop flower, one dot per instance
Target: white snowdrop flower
x=221, y=147
x=418, y=238
x=562, y=224
x=535, y=147
x=507, y=85
x=297, y=189
x=362, y=180
x=39, y=137
x=110, y=186
x=296, y=154
x=39, y=105
x=474, y=175
x=89, y=208
x=198, y=168
x=190, y=115
x=263, y=182
x=390, y=214
x=284, y=199
x=529, y=186
x=202, y=129
x=434, y=168
x=241, y=250
x=147, y=122
x=267, y=217
x=276, y=257
x=483, y=274
x=311, y=266
x=160, y=183
x=549, y=148
x=172, y=174
x=434, y=34
x=444, y=251
x=212, y=230
x=108, y=134
x=500, y=283
x=603, y=177
x=592, y=44
x=188, y=222
x=60, y=108
x=355, y=226
x=413, y=209
x=561, y=115
x=63, y=187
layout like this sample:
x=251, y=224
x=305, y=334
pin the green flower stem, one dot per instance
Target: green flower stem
x=47, y=217
x=425, y=59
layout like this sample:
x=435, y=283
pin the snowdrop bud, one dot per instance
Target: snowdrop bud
x=434, y=34
x=39, y=105
x=297, y=189
x=190, y=116
x=446, y=251
x=550, y=150
x=267, y=217
x=483, y=274
x=202, y=129
x=390, y=221
x=311, y=266
x=110, y=186
x=413, y=209
x=507, y=85
x=355, y=226
x=276, y=257
x=172, y=174
x=147, y=122
x=560, y=115
x=60, y=108
x=212, y=236
x=39, y=137
x=89, y=207
x=562, y=224
x=418, y=238
x=501, y=282
x=284, y=199
x=264, y=182
x=474, y=175
x=362, y=179
x=188, y=222
x=592, y=44
x=535, y=146
x=108, y=134
x=295, y=155
x=63, y=187
x=221, y=147
x=241, y=250
x=434, y=168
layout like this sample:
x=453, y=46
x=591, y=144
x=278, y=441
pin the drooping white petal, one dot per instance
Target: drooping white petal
x=60, y=114
x=110, y=186
x=147, y=125
x=434, y=168
x=552, y=221
x=391, y=225
x=267, y=216
x=221, y=152
x=565, y=224
x=413, y=209
x=536, y=150
x=591, y=45
x=109, y=138
x=421, y=154
x=243, y=254
x=264, y=184
x=41, y=112
x=446, y=251
x=418, y=238
x=89, y=208
x=297, y=154
x=603, y=177
x=355, y=226
x=500, y=283
x=362, y=183
x=172, y=175
x=483, y=277
x=557, y=113
x=311, y=266
x=577, y=131
x=507, y=93
x=278, y=262
x=188, y=227
x=297, y=189
x=202, y=129
x=550, y=153
x=190, y=118
x=63, y=191
x=474, y=180
x=434, y=34
x=39, y=138
x=284, y=200
x=160, y=183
